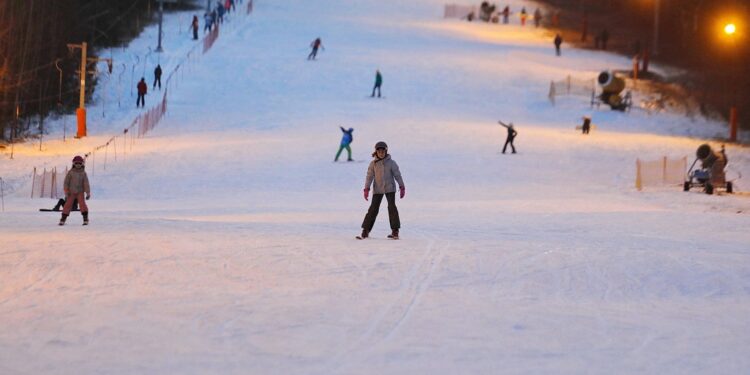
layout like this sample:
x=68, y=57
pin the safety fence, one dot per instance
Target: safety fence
x=660, y=172
x=571, y=86
x=48, y=184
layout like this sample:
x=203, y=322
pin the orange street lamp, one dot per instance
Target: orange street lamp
x=730, y=29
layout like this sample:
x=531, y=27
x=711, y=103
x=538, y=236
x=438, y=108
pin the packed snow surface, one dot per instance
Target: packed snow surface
x=223, y=243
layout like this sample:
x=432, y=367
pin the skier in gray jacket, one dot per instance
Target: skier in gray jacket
x=382, y=175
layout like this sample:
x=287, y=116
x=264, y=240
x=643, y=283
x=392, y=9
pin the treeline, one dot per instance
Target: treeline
x=34, y=38
x=690, y=36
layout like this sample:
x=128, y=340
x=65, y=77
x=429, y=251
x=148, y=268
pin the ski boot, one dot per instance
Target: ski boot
x=394, y=234
x=62, y=219
x=364, y=234
x=85, y=218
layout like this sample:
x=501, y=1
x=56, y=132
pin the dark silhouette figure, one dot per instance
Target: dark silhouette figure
x=604, y=37
x=511, y=136
x=586, y=127
x=378, y=83
x=558, y=43
x=157, y=76
x=315, y=45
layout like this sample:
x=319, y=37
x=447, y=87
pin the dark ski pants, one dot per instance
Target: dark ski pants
x=509, y=141
x=61, y=203
x=373, y=90
x=157, y=80
x=557, y=49
x=313, y=54
x=372, y=213
x=141, y=101
x=342, y=148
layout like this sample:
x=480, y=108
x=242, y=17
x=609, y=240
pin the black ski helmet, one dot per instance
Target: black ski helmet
x=381, y=144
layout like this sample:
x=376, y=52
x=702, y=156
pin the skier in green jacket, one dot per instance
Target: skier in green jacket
x=378, y=83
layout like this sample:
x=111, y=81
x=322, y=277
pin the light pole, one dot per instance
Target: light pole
x=730, y=29
x=656, y=27
x=161, y=17
x=81, y=111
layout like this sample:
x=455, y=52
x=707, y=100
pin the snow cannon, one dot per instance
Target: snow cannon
x=712, y=173
x=612, y=86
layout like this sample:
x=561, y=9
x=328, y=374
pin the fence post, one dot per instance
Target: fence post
x=638, y=182
x=2, y=193
x=664, y=170
x=33, y=183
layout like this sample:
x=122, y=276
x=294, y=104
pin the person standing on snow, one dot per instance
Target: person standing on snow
x=346, y=140
x=382, y=175
x=142, y=90
x=523, y=16
x=378, y=83
x=558, y=43
x=195, y=26
x=537, y=17
x=512, y=133
x=75, y=186
x=586, y=127
x=157, y=76
x=506, y=14
x=208, y=22
x=315, y=44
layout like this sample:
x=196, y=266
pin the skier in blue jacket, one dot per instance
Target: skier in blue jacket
x=346, y=140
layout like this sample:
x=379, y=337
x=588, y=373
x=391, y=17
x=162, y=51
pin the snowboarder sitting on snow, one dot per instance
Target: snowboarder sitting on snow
x=315, y=44
x=511, y=136
x=346, y=140
x=382, y=174
x=378, y=83
x=75, y=186
x=61, y=203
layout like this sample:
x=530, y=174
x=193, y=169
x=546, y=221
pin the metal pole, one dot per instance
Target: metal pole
x=161, y=16
x=81, y=102
x=656, y=27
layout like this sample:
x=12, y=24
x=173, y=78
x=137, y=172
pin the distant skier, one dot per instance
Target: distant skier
x=511, y=136
x=220, y=10
x=586, y=127
x=524, y=15
x=157, y=76
x=558, y=43
x=208, y=20
x=506, y=14
x=315, y=44
x=537, y=17
x=75, y=186
x=346, y=141
x=142, y=90
x=194, y=25
x=378, y=83
x=382, y=175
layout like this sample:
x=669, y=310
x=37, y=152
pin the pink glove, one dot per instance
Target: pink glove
x=402, y=191
x=367, y=193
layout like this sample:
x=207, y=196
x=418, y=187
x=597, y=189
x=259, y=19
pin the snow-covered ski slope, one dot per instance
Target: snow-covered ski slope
x=224, y=244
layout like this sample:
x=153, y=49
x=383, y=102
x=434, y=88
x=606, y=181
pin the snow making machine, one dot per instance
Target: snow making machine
x=712, y=172
x=612, y=88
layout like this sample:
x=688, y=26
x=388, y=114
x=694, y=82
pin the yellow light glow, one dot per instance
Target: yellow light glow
x=730, y=29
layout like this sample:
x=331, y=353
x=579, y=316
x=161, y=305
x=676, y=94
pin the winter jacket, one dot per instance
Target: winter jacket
x=381, y=175
x=378, y=79
x=142, y=88
x=512, y=133
x=157, y=71
x=347, y=139
x=76, y=181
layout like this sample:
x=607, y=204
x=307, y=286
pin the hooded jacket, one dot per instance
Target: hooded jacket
x=382, y=175
x=76, y=182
